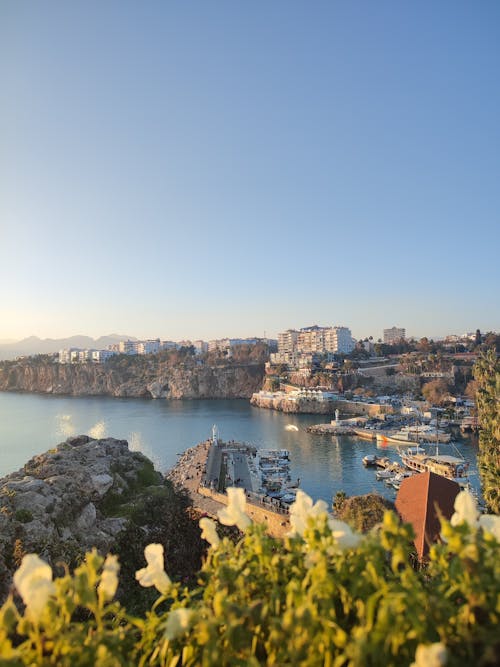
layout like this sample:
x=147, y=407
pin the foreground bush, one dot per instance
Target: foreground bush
x=322, y=596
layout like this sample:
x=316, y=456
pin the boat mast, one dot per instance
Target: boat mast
x=437, y=433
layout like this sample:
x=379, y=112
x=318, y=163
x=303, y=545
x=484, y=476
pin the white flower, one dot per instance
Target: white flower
x=178, y=622
x=430, y=655
x=209, y=532
x=465, y=510
x=344, y=535
x=302, y=510
x=33, y=581
x=109, y=578
x=234, y=513
x=491, y=524
x=154, y=574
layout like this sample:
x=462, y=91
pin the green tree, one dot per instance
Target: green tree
x=436, y=391
x=487, y=375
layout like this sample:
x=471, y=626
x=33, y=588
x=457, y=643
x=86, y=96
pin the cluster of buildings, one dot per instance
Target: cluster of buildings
x=75, y=355
x=302, y=348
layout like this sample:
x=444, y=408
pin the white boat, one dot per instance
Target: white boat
x=384, y=474
x=411, y=434
x=397, y=479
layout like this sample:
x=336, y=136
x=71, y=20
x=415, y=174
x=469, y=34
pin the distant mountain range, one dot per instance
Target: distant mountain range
x=35, y=345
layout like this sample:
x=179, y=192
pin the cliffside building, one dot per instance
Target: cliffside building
x=315, y=339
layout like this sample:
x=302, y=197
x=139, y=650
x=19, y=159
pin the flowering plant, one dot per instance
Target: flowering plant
x=323, y=595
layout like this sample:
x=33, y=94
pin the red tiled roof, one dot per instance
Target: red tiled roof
x=420, y=500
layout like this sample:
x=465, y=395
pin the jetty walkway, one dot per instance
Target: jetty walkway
x=203, y=471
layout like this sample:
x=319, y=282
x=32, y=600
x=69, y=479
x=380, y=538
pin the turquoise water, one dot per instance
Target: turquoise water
x=32, y=423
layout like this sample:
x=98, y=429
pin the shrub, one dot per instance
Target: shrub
x=23, y=516
x=323, y=596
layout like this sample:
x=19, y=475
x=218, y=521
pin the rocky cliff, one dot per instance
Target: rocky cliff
x=88, y=493
x=134, y=377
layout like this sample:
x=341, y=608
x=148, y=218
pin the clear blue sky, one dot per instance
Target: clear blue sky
x=201, y=169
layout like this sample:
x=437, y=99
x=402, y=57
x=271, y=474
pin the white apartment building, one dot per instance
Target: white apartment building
x=222, y=344
x=339, y=340
x=65, y=355
x=200, y=346
x=336, y=340
x=100, y=356
x=393, y=335
x=311, y=340
x=287, y=341
x=148, y=346
x=128, y=346
x=168, y=345
x=85, y=355
x=77, y=356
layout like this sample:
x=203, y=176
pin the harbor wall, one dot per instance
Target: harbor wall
x=315, y=407
x=277, y=524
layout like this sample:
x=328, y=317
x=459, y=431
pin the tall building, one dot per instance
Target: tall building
x=339, y=340
x=393, y=335
x=315, y=339
x=287, y=341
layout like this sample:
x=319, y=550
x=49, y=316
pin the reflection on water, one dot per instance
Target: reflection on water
x=30, y=424
x=65, y=426
x=98, y=430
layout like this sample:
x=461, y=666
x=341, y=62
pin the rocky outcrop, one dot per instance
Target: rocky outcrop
x=301, y=405
x=194, y=379
x=79, y=495
x=311, y=406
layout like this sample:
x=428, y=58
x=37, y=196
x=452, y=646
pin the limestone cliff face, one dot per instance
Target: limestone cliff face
x=151, y=379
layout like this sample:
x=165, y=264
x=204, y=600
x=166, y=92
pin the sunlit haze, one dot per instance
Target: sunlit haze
x=199, y=170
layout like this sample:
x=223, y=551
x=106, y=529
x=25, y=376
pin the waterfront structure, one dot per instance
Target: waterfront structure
x=394, y=335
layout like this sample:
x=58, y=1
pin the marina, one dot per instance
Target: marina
x=163, y=430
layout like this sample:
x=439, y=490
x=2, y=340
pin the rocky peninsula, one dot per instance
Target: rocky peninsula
x=88, y=493
x=174, y=375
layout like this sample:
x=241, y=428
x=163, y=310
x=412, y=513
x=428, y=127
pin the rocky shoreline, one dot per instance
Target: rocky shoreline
x=81, y=494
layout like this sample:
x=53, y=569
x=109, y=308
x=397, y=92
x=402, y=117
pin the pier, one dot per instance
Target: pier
x=207, y=469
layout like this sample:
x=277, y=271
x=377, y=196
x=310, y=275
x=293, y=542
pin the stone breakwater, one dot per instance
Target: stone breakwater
x=289, y=405
x=312, y=406
x=190, y=471
x=59, y=504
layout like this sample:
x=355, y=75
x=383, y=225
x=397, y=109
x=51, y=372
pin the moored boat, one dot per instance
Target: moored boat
x=422, y=459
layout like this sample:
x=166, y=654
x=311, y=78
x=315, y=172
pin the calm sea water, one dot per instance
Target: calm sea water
x=31, y=424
